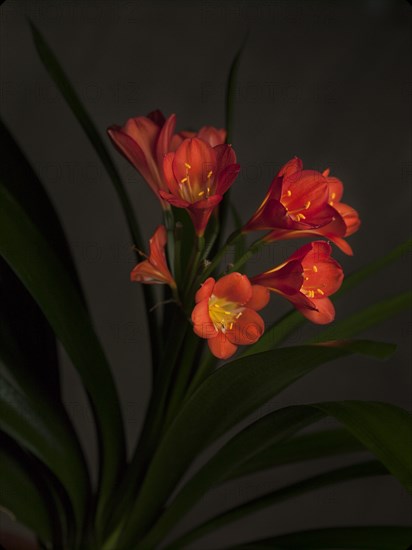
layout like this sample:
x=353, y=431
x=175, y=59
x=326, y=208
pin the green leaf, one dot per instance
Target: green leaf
x=374, y=267
x=290, y=322
x=37, y=427
x=303, y=447
x=20, y=180
x=269, y=430
x=374, y=424
x=68, y=92
x=366, y=318
x=39, y=346
x=226, y=397
x=24, y=497
x=50, y=285
x=383, y=537
x=57, y=74
x=384, y=429
x=339, y=475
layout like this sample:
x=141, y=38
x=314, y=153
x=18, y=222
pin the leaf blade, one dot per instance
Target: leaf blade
x=237, y=388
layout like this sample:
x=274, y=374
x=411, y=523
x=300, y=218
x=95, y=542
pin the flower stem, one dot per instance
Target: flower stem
x=252, y=250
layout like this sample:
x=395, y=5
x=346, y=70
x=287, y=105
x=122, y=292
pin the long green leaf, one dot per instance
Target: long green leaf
x=21, y=181
x=59, y=77
x=39, y=347
x=230, y=394
x=42, y=431
x=383, y=537
x=23, y=498
x=269, y=430
x=384, y=429
x=374, y=424
x=339, y=475
x=308, y=446
x=366, y=318
x=47, y=280
x=293, y=320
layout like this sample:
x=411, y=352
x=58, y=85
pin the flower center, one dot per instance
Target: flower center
x=224, y=313
x=296, y=214
x=310, y=290
x=193, y=191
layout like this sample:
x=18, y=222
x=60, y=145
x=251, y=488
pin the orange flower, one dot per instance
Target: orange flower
x=154, y=269
x=306, y=279
x=303, y=203
x=225, y=313
x=333, y=230
x=144, y=141
x=198, y=175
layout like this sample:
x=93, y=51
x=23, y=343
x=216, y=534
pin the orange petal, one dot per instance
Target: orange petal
x=335, y=189
x=205, y=291
x=260, y=297
x=202, y=325
x=221, y=347
x=235, y=287
x=194, y=157
x=247, y=329
x=212, y=136
x=324, y=313
x=292, y=166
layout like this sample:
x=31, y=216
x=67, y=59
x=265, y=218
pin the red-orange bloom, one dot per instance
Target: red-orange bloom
x=197, y=176
x=154, y=269
x=333, y=230
x=225, y=313
x=297, y=201
x=306, y=279
x=144, y=141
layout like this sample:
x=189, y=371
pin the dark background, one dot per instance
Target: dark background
x=327, y=81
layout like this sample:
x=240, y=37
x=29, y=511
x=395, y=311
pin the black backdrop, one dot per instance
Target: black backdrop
x=327, y=81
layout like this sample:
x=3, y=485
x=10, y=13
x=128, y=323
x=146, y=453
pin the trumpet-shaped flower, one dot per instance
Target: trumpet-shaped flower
x=145, y=140
x=298, y=200
x=306, y=279
x=333, y=230
x=197, y=176
x=225, y=313
x=154, y=269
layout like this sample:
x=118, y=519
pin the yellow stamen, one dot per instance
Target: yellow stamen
x=307, y=205
x=184, y=180
x=210, y=174
x=188, y=165
x=320, y=291
x=201, y=193
x=223, y=313
x=289, y=193
x=315, y=269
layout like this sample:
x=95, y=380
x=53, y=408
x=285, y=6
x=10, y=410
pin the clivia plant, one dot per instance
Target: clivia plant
x=215, y=362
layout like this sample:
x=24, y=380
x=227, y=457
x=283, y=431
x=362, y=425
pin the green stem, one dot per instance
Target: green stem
x=170, y=228
x=193, y=269
x=190, y=349
x=205, y=370
x=153, y=424
x=256, y=246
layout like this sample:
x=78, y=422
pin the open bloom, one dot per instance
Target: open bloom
x=154, y=269
x=302, y=203
x=225, y=313
x=145, y=140
x=197, y=176
x=333, y=230
x=306, y=279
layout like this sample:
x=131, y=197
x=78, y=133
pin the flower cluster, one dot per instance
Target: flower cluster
x=193, y=171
